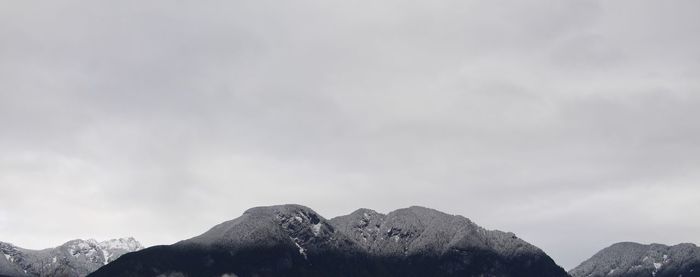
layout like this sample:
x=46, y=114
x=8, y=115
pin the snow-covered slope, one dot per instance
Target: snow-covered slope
x=417, y=230
x=114, y=248
x=294, y=226
x=293, y=240
x=73, y=258
x=629, y=259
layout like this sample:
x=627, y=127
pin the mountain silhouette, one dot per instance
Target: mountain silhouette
x=293, y=240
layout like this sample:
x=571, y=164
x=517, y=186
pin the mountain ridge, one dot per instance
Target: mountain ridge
x=632, y=259
x=77, y=257
x=294, y=240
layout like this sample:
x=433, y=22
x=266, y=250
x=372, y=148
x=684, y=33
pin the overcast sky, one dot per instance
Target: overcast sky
x=573, y=124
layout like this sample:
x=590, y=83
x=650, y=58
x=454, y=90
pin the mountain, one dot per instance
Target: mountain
x=293, y=240
x=629, y=259
x=73, y=258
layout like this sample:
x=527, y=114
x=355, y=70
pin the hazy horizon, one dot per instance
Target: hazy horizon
x=569, y=123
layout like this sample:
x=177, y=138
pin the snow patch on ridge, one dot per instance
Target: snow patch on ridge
x=316, y=228
x=105, y=256
x=129, y=244
x=302, y=251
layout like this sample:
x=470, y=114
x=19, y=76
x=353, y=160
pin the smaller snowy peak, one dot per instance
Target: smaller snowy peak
x=114, y=248
x=634, y=259
x=128, y=244
x=77, y=257
x=7, y=247
x=88, y=248
x=12, y=261
x=101, y=252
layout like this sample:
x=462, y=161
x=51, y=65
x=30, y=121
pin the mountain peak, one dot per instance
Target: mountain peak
x=290, y=224
x=280, y=209
x=423, y=209
x=293, y=240
x=363, y=211
x=122, y=243
x=421, y=215
x=76, y=257
x=636, y=259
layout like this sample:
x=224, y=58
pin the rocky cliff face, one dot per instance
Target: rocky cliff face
x=73, y=258
x=628, y=259
x=293, y=240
